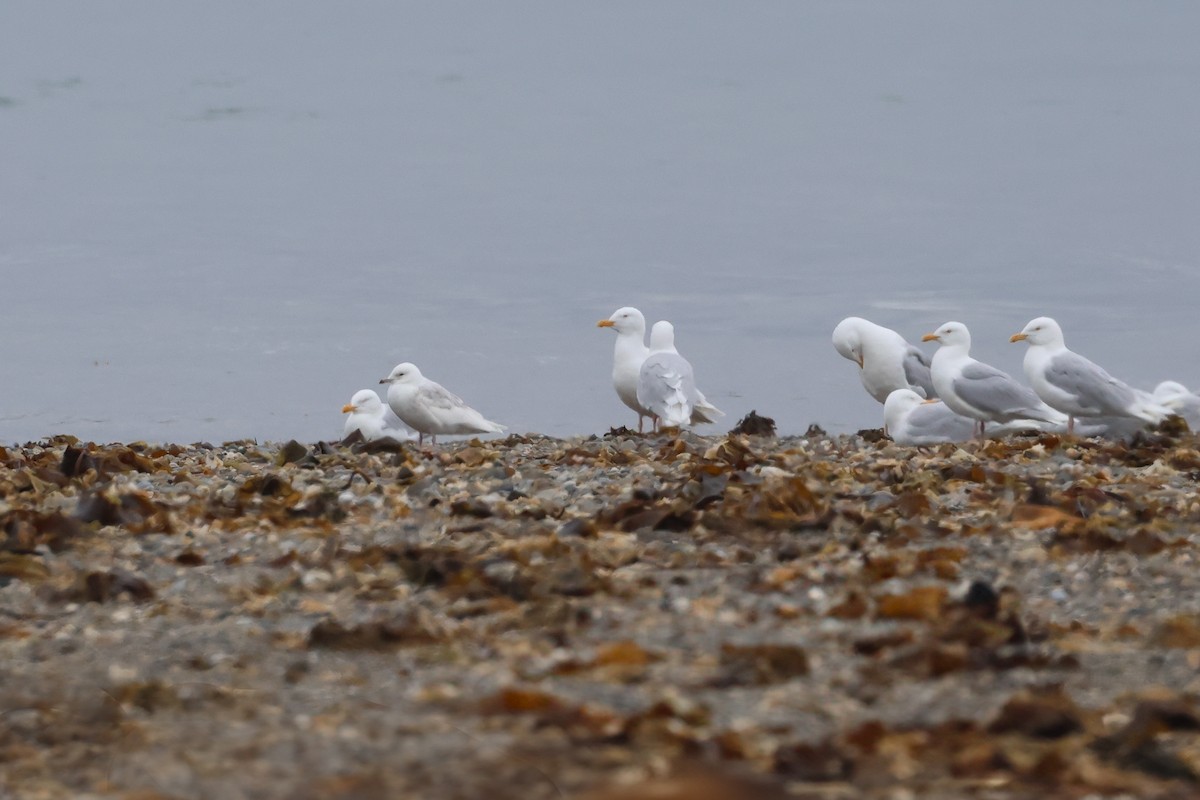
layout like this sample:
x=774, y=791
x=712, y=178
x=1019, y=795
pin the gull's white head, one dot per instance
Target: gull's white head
x=625, y=320
x=900, y=401
x=1043, y=331
x=1170, y=390
x=898, y=405
x=662, y=336
x=952, y=334
x=847, y=339
x=364, y=401
x=403, y=373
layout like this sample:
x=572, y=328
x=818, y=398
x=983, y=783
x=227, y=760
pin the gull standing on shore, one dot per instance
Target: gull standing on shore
x=886, y=361
x=662, y=340
x=428, y=408
x=1076, y=386
x=667, y=388
x=978, y=390
x=628, y=354
x=372, y=419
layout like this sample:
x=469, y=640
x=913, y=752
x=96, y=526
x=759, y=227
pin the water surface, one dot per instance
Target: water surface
x=219, y=219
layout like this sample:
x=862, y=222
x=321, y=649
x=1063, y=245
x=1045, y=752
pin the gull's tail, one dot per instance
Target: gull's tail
x=705, y=411
x=1145, y=407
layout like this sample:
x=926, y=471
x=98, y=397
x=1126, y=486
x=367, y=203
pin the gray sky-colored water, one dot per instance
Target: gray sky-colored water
x=219, y=219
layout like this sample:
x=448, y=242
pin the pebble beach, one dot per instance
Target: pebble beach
x=615, y=616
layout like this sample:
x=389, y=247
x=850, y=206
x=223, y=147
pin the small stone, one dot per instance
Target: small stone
x=316, y=580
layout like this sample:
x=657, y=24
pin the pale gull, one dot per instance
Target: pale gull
x=667, y=388
x=978, y=390
x=1076, y=386
x=628, y=355
x=886, y=361
x=372, y=419
x=1175, y=396
x=662, y=339
x=428, y=408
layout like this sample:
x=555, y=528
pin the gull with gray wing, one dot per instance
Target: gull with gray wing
x=978, y=390
x=1076, y=386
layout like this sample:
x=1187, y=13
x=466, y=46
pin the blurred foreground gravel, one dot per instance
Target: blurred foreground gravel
x=617, y=617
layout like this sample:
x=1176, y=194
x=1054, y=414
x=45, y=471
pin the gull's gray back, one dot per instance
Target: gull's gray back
x=1092, y=387
x=996, y=393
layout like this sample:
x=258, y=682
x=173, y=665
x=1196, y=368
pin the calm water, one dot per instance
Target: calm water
x=219, y=219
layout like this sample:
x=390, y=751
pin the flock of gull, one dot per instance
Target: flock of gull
x=949, y=398
x=655, y=381
x=953, y=397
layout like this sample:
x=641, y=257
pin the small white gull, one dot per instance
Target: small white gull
x=662, y=340
x=667, y=388
x=372, y=419
x=428, y=408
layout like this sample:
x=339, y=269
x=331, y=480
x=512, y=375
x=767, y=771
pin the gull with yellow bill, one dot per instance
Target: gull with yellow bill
x=372, y=419
x=978, y=390
x=1076, y=386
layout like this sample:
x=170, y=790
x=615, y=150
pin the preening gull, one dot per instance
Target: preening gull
x=977, y=390
x=1175, y=396
x=1076, y=386
x=885, y=359
x=371, y=418
x=662, y=340
x=428, y=408
x=667, y=388
x=628, y=355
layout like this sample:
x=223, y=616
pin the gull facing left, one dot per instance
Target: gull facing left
x=628, y=354
x=372, y=419
x=429, y=408
x=1076, y=386
x=978, y=390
